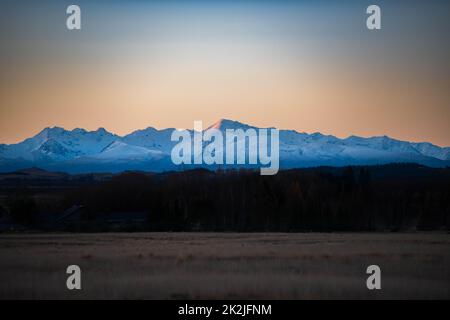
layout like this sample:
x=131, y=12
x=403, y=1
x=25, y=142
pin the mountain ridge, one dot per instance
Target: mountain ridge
x=80, y=150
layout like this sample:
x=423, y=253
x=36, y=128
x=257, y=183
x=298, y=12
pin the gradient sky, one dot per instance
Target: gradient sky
x=304, y=65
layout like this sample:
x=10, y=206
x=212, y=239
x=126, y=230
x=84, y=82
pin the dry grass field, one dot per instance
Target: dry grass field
x=225, y=265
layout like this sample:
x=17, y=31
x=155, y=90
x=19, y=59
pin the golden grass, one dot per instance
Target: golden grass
x=225, y=265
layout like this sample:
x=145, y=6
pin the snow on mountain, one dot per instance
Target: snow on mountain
x=382, y=143
x=151, y=138
x=119, y=150
x=224, y=124
x=431, y=150
x=150, y=149
x=51, y=149
x=55, y=144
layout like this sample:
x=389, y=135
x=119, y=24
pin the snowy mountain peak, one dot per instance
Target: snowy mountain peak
x=79, y=131
x=59, y=133
x=224, y=124
x=101, y=130
x=147, y=131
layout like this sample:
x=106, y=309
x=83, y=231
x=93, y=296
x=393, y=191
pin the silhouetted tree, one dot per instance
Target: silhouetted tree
x=22, y=209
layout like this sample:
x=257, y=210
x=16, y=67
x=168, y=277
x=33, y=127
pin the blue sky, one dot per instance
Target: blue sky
x=304, y=65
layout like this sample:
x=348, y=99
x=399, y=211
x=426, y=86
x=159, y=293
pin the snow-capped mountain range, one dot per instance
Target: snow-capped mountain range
x=149, y=149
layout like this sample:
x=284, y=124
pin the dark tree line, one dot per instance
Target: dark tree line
x=392, y=197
